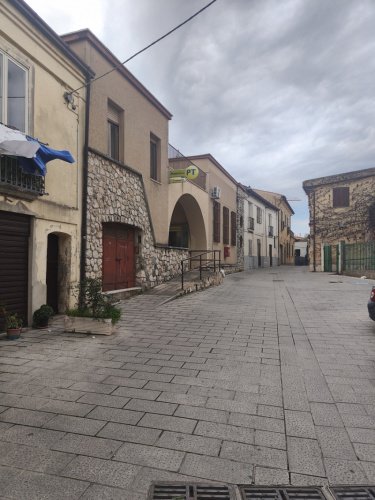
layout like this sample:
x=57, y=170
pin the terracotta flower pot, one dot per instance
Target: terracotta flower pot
x=13, y=333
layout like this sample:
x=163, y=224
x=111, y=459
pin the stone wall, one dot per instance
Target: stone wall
x=116, y=194
x=350, y=224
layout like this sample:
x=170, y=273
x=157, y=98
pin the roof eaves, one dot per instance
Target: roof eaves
x=208, y=156
x=52, y=36
x=86, y=34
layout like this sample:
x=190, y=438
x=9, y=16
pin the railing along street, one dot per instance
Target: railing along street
x=208, y=259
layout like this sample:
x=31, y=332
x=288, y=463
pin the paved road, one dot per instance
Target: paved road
x=268, y=378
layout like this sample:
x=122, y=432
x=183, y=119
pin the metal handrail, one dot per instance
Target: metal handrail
x=190, y=260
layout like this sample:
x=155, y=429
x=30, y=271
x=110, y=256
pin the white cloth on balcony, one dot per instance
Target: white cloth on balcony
x=15, y=143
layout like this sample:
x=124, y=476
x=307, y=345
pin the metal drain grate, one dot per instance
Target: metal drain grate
x=264, y=493
x=178, y=491
x=353, y=492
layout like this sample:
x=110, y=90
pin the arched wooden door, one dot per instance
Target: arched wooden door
x=118, y=256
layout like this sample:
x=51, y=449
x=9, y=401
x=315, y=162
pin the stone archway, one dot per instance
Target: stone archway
x=187, y=228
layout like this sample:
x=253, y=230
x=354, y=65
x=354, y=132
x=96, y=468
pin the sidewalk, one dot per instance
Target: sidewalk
x=266, y=379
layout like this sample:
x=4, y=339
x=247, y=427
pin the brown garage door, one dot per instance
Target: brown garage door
x=14, y=251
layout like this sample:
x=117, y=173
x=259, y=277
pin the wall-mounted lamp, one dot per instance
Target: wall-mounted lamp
x=69, y=99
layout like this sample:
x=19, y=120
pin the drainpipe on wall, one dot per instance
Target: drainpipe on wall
x=314, y=228
x=84, y=185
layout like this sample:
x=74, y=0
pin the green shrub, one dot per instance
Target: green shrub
x=42, y=315
x=92, y=303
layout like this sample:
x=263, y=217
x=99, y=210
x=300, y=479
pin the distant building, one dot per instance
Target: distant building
x=300, y=251
x=342, y=209
x=285, y=233
x=260, y=239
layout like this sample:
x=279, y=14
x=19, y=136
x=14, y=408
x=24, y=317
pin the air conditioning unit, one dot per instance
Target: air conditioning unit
x=216, y=193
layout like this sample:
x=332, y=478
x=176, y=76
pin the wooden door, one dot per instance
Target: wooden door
x=270, y=254
x=53, y=272
x=259, y=250
x=327, y=258
x=118, y=257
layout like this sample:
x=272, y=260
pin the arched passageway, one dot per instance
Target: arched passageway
x=187, y=227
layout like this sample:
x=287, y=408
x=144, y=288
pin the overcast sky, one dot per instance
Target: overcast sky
x=278, y=91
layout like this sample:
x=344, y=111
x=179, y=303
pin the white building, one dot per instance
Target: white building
x=260, y=231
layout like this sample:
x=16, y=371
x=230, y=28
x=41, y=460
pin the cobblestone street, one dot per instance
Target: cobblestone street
x=266, y=379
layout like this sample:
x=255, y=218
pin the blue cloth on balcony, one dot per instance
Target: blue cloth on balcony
x=37, y=164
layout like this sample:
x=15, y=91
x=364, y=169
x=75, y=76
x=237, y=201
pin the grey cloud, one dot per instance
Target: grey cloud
x=278, y=91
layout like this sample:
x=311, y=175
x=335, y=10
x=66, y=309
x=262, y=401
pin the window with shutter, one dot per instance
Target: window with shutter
x=216, y=228
x=340, y=197
x=155, y=170
x=225, y=225
x=233, y=228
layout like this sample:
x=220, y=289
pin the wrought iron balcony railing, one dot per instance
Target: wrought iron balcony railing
x=14, y=179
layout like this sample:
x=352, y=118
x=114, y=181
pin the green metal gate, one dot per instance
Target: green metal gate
x=327, y=258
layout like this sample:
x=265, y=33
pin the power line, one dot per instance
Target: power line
x=147, y=47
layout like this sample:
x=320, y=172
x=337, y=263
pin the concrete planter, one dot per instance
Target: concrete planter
x=76, y=324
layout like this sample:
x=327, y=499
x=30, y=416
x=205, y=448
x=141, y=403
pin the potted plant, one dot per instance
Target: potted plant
x=42, y=315
x=95, y=312
x=3, y=313
x=13, y=325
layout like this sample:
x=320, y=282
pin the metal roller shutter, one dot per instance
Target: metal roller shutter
x=14, y=250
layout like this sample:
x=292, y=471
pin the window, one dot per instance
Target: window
x=340, y=197
x=250, y=209
x=114, y=121
x=225, y=225
x=13, y=93
x=259, y=215
x=154, y=158
x=270, y=219
x=216, y=227
x=113, y=140
x=233, y=228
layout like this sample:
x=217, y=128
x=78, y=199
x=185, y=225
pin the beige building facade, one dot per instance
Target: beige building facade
x=205, y=209
x=342, y=209
x=126, y=232
x=40, y=217
x=285, y=233
x=260, y=231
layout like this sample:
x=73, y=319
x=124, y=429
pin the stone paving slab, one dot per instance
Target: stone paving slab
x=266, y=379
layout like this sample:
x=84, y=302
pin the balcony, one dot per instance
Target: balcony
x=250, y=226
x=270, y=231
x=14, y=181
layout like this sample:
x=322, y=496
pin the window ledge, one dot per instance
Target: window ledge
x=156, y=181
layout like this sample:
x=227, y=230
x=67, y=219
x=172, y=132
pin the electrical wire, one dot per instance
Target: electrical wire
x=147, y=47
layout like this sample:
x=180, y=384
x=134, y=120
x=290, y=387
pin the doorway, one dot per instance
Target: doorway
x=259, y=253
x=118, y=256
x=52, y=278
x=270, y=254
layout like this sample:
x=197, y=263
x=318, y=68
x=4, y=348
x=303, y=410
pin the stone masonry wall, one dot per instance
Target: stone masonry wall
x=350, y=224
x=116, y=194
